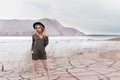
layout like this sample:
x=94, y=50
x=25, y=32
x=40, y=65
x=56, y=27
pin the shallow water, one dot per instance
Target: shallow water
x=14, y=47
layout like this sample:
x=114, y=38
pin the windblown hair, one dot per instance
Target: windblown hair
x=42, y=27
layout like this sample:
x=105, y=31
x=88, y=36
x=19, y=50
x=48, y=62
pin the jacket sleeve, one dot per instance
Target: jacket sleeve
x=32, y=43
x=46, y=41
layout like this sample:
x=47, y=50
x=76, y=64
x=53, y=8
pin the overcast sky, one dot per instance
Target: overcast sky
x=89, y=16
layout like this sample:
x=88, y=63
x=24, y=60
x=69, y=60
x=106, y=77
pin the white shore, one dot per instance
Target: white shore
x=67, y=59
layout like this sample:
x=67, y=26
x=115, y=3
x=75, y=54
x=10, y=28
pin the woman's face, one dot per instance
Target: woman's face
x=38, y=28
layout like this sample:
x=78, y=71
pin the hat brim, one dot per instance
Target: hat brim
x=38, y=23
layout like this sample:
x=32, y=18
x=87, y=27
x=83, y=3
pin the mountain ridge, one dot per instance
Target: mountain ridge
x=17, y=27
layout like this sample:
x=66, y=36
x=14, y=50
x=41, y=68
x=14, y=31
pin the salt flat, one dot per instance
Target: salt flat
x=67, y=60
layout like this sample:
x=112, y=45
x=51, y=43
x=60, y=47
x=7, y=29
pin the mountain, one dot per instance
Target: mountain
x=17, y=27
x=114, y=39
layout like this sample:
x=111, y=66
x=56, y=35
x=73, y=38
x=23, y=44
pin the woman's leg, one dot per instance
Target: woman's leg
x=44, y=62
x=35, y=65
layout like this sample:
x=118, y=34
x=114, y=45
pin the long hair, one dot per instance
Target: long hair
x=43, y=33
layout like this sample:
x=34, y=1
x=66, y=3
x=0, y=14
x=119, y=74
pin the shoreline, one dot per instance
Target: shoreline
x=82, y=37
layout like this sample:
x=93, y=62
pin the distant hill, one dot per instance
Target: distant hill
x=17, y=27
x=114, y=39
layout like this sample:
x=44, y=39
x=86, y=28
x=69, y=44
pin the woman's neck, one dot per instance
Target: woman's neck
x=38, y=33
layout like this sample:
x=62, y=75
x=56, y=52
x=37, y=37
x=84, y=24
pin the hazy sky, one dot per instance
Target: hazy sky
x=90, y=16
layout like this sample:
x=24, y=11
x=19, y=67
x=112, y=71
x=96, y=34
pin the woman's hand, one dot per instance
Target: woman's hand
x=31, y=52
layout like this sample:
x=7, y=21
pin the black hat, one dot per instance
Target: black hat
x=38, y=23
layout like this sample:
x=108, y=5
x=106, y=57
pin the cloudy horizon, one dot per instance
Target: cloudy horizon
x=89, y=16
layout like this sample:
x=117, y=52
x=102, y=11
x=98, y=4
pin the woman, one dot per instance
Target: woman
x=39, y=42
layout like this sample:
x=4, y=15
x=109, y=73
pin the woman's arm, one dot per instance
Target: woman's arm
x=46, y=41
x=32, y=43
